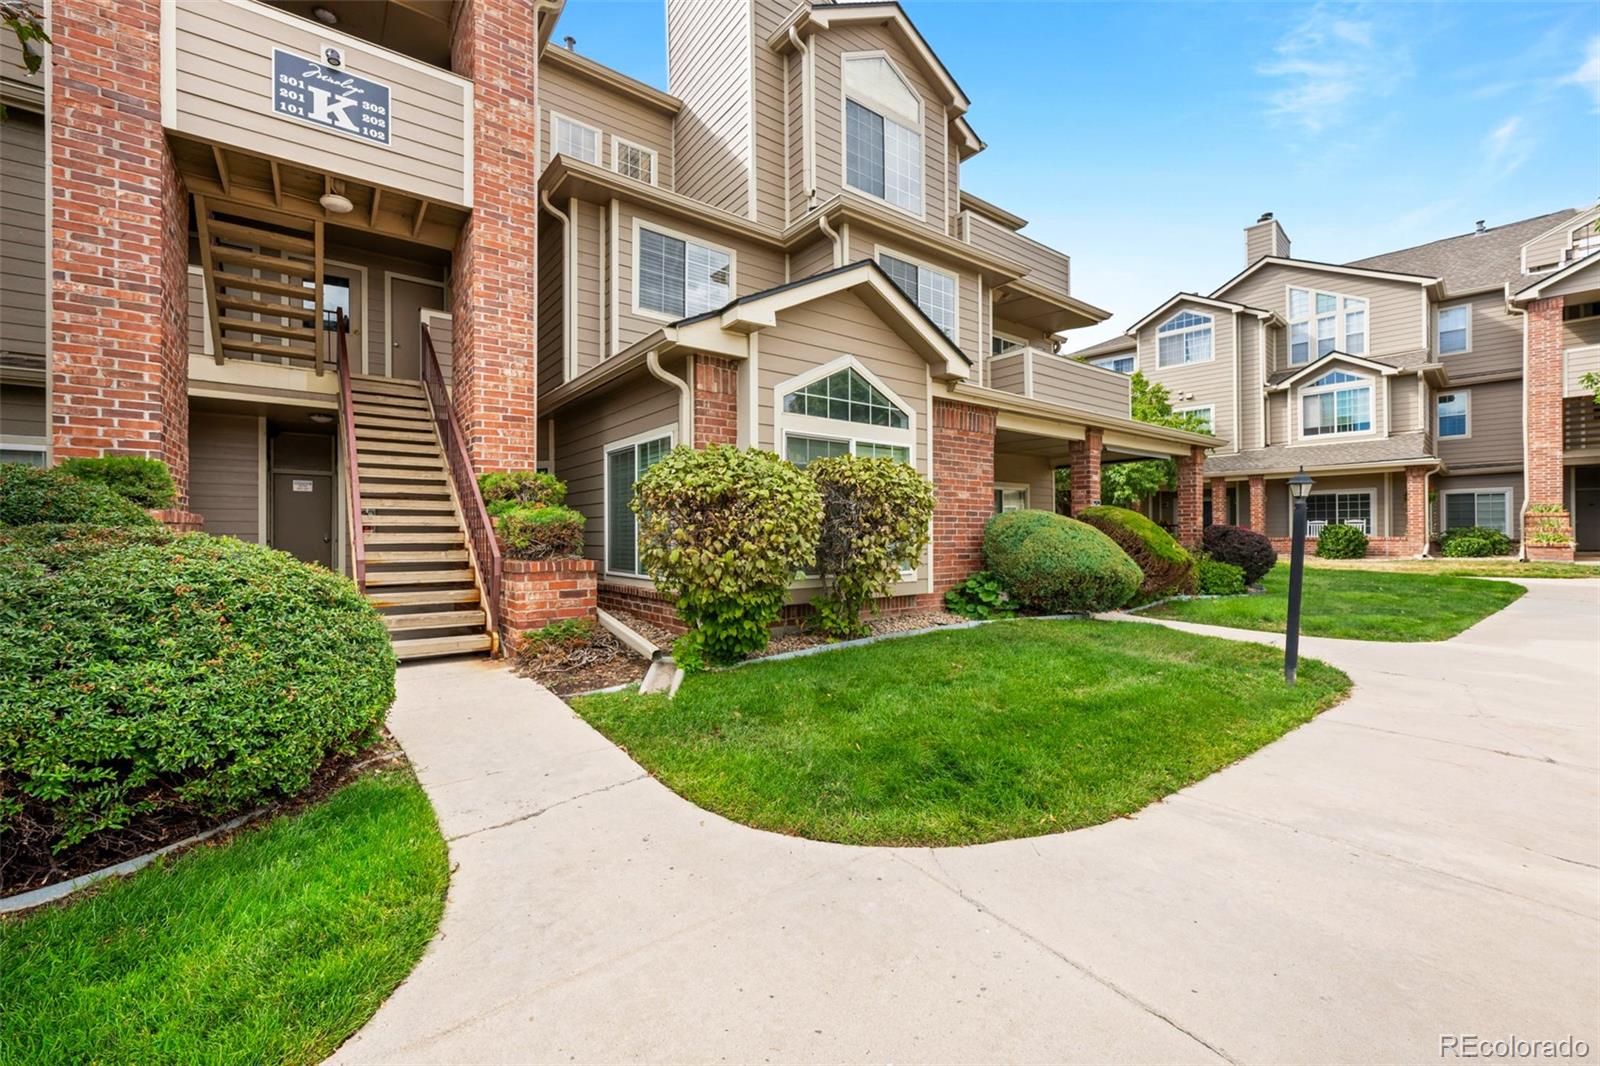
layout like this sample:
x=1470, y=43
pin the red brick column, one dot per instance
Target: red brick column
x=963, y=484
x=1258, y=505
x=1416, y=538
x=536, y=592
x=1219, y=502
x=1546, y=474
x=716, y=400
x=119, y=220
x=492, y=297
x=1191, y=496
x=1084, y=457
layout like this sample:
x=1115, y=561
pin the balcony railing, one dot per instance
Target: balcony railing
x=1043, y=375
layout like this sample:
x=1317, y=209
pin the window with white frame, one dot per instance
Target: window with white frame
x=679, y=277
x=1122, y=364
x=1335, y=403
x=574, y=139
x=1454, y=333
x=1339, y=508
x=932, y=290
x=1454, y=414
x=1490, y=508
x=842, y=412
x=1184, y=338
x=26, y=454
x=882, y=142
x=1206, y=413
x=632, y=161
x=625, y=465
x=1000, y=344
x=1010, y=498
x=1323, y=322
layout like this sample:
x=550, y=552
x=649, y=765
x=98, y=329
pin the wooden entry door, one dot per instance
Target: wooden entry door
x=408, y=298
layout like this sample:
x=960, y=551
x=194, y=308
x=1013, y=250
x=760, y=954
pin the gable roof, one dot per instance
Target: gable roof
x=1331, y=268
x=1209, y=301
x=1538, y=285
x=1123, y=343
x=1471, y=262
x=1285, y=378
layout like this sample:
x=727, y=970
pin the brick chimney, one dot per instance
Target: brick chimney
x=1266, y=237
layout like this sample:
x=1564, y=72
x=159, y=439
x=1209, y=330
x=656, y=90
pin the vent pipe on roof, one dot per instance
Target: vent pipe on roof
x=571, y=43
x=1480, y=227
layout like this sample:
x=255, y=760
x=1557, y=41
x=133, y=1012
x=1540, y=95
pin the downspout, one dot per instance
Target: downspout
x=832, y=234
x=807, y=105
x=652, y=361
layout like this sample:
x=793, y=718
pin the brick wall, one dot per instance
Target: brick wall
x=1219, y=502
x=1546, y=473
x=1258, y=505
x=1084, y=456
x=536, y=592
x=645, y=603
x=119, y=231
x=1191, y=496
x=963, y=484
x=716, y=400
x=492, y=297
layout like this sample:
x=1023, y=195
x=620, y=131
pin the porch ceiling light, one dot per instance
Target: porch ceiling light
x=336, y=203
x=324, y=16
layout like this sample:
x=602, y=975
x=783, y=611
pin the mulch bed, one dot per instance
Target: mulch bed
x=27, y=864
x=600, y=661
x=903, y=622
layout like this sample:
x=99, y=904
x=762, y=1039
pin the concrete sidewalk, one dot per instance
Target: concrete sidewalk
x=1422, y=860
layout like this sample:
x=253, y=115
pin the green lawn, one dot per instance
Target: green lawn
x=1463, y=567
x=1006, y=730
x=1357, y=604
x=271, y=948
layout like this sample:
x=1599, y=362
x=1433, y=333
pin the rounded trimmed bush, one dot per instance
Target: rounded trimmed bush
x=1474, y=542
x=1250, y=551
x=540, y=532
x=1058, y=565
x=1341, y=542
x=1167, y=566
x=147, y=482
x=29, y=495
x=142, y=672
x=1217, y=578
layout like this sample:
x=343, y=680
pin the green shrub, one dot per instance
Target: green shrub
x=521, y=488
x=1341, y=542
x=1167, y=567
x=980, y=596
x=1250, y=551
x=29, y=495
x=540, y=532
x=200, y=673
x=724, y=532
x=146, y=482
x=1055, y=564
x=875, y=515
x=1474, y=542
x=1217, y=578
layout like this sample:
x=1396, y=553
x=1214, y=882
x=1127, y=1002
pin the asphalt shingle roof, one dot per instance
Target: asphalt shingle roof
x=1115, y=344
x=1470, y=262
x=1279, y=458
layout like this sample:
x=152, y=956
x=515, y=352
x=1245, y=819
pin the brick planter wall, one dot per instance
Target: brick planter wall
x=536, y=592
x=179, y=520
x=1549, y=522
x=1551, y=553
x=1377, y=547
x=648, y=604
x=963, y=483
x=716, y=401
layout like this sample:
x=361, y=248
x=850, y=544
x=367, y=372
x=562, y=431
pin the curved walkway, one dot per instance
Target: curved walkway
x=1422, y=860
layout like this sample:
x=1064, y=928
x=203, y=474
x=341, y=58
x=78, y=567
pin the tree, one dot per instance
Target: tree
x=22, y=18
x=1129, y=484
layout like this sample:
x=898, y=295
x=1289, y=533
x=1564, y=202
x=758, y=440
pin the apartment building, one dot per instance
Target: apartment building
x=1426, y=388
x=328, y=260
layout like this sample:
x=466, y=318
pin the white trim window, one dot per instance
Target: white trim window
x=679, y=277
x=1207, y=413
x=26, y=454
x=1490, y=508
x=626, y=462
x=1338, y=508
x=574, y=139
x=1005, y=344
x=1336, y=403
x=1122, y=364
x=843, y=409
x=882, y=142
x=633, y=161
x=1453, y=414
x=1009, y=496
x=1324, y=322
x=932, y=290
x=1452, y=334
x=1184, y=338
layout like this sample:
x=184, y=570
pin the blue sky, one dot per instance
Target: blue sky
x=1142, y=138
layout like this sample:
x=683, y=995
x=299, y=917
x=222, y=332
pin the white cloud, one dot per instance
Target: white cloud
x=1587, y=76
x=1328, y=65
x=1507, y=147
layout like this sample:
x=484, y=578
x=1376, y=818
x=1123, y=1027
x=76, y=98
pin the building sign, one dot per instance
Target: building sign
x=329, y=97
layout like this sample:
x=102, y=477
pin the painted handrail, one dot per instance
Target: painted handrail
x=347, y=418
x=453, y=439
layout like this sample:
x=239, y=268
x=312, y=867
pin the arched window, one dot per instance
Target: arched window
x=882, y=132
x=840, y=410
x=1336, y=403
x=1184, y=338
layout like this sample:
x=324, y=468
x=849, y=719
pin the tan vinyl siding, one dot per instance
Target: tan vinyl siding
x=1009, y=373
x=1580, y=361
x=1278, y=418
x=223, y=57
x=591, y=230
x=1496, y=339
x=796, y=166
x=15, y=81
x=199, y=332
x=552, y=312
x=1581, y=332
x=1047, y=268
x=441, y=330
x=1197, y=384
x=813, y=258
x=612, y=112
x=1247, y=432
x=1511, y=481
x=1394, y=308
x=1081, y=386
x=584, y=430
x=1550, y=249
x=22, y=413
x=1034, y=471
x=708, y=68
x=1404, y=413
x=865, y=242
x=225, y=473
x=22, y=237
x=1494, y=424
x=770, y=114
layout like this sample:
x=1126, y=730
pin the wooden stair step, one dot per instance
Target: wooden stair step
x=385, y=399
x=456, y=537
x=225, y=280
x=432, y=647
x=415, y=425
x=396, y=448
x=284, y=242
x=282, y=351
x=424, y=598
x=376, y=502
x=381, y=472
x=417, y=462
x=396, y=436
x=411, y=520
x=379, y=383
x=435, y=620
x=267, y=329
x=382, y=558
x=420, y=577
x=266, y=263
x=267, y=307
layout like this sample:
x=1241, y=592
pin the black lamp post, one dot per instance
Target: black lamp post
x=1299, y=488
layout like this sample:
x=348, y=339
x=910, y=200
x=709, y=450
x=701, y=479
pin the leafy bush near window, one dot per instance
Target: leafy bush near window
x=1217, y=578
x=146, y=482
x=1250, y=551
x=724, y=532
x=30, y=494
x=875, y=515
x=540, y=532
x=506, y=490
x=142, y=672
x=1167, y=567
x=1341, y=542
x=982, y=595
x=1055, y=564
x=1474, y=542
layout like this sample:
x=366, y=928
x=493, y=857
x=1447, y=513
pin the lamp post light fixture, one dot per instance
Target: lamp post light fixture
x=1299, y=488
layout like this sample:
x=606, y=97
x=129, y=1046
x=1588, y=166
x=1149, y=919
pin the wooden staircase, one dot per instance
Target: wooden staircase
x=418, y=571
x=263, y=274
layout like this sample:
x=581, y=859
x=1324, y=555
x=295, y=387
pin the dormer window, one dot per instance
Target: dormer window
x=1325, y=321
x=882, y=140
x=1184, y=338
x=1336, y=403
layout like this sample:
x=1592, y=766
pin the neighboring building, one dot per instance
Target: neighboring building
x=528, y=258
x=1402, y=383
